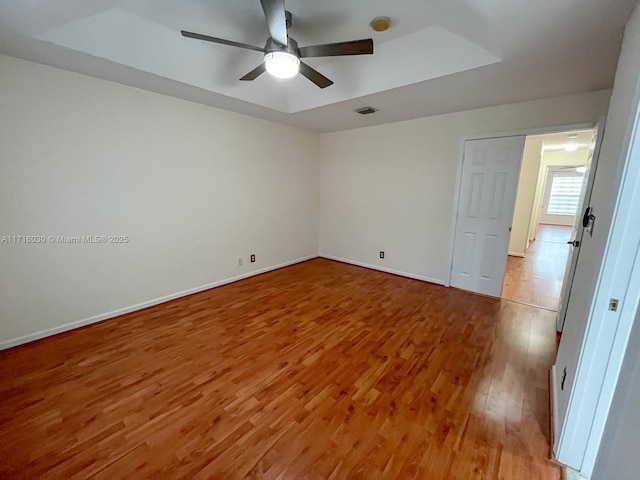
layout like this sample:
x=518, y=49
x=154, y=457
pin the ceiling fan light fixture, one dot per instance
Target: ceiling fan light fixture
x=571, y=147
x=281, y=64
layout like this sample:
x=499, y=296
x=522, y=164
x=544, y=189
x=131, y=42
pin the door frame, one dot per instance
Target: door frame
x=486, y=136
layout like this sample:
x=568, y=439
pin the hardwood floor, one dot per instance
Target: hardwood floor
x=553, y=233
x=537, y=278
x=319, y=370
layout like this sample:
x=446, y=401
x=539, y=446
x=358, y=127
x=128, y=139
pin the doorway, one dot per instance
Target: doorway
x=549, y=192
x=536, y=279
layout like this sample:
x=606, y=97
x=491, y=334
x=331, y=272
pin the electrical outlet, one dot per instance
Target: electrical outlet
x=240, y=262
x=253, y=258
x=381, y=254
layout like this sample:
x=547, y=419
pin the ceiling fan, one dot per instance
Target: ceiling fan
x=281, y=52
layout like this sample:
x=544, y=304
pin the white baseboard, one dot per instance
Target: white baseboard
x=554, y=409
x=515, y=254
x=14, y=342
x=383, y=269
x=571, y=474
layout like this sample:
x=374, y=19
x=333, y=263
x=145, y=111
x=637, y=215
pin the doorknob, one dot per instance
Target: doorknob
x=575, y=243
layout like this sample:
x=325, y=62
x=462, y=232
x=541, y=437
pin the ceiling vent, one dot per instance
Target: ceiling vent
x=366, y=110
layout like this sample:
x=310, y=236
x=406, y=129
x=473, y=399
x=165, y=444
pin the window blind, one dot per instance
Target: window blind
x=565, y=193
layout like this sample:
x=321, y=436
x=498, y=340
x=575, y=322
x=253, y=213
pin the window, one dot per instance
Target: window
x=565, y=193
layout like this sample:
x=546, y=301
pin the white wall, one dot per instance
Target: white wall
x=531, y=156
x=391, y=187
x=193, y=188
x=576, y=402
x=618, y=456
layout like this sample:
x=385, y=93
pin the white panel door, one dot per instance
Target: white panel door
x=490, y=171
x=578, y=228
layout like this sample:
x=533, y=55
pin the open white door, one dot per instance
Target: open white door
x=488, y=187
x=580, y=223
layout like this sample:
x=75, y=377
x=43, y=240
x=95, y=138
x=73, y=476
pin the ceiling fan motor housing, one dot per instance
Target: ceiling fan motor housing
x=291, y=47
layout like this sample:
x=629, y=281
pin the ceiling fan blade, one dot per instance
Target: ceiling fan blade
x=276, y=17
x=207, y=38
x=354, y=47
x=255, y=73
x=315, y=76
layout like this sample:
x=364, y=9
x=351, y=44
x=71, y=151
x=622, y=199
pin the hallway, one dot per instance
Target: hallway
x=537, y=278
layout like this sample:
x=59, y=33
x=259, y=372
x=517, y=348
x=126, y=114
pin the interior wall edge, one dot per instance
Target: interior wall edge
x=32, y=337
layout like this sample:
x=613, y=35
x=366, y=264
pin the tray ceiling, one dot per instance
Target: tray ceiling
x=436, y=57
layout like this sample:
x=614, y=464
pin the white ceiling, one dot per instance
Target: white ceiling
x=558, y=141
x=439, y=56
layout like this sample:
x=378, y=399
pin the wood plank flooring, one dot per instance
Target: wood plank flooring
x=537, y=278
x=317, y=371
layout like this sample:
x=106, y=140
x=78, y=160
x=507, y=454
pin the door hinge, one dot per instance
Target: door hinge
x=613, y=304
